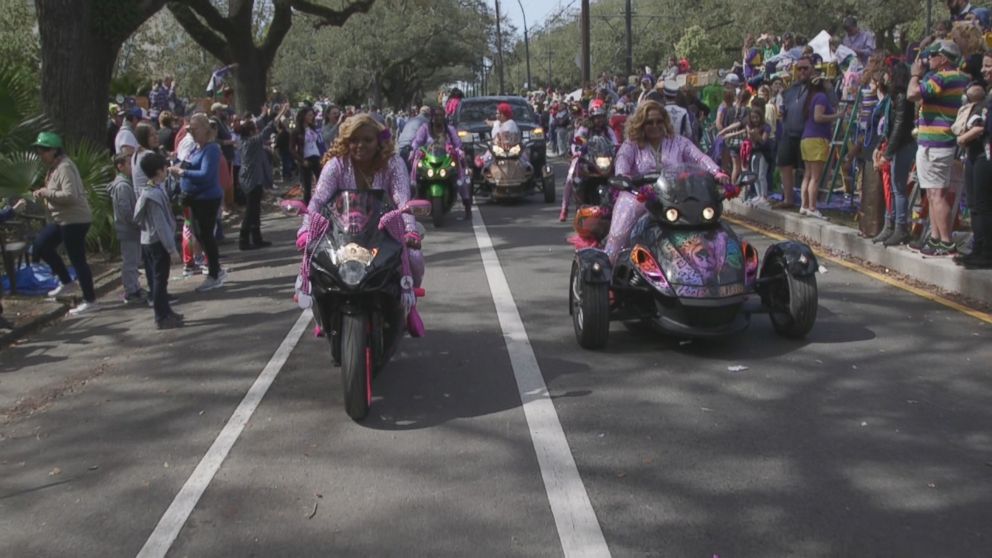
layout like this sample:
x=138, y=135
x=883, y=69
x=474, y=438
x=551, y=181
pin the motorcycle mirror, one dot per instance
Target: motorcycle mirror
x=293, y=207
x=650, y=178
x=419, y=208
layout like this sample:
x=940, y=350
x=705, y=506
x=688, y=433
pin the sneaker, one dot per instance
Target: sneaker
x=138, y=297
x=190, y=271
x=83, y=308
x=171, y=321
x=803, y=211
x=816, y=214
x=210, y=283
x=950, y=247
x=64, y=289
x=760, y=203
x=935, y=249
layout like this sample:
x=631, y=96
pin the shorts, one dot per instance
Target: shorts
x=788, y=151
x=815, y=150
x=933, y=166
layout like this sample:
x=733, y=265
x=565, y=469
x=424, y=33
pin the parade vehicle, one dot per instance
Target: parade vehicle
x=593, y=171
x=473, y=120
x=685, y=272
x=361, y=290
x=506, y=175
x=437, y=178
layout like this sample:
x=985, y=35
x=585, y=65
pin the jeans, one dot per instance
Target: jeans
x=309, y=174
x=74, y=237
x=131, y=259
x=251, y=227
x=204, y=220
x=902, y=163
x=288, y=165
x=157, y=266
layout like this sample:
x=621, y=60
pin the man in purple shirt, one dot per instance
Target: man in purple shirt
x=861, y=41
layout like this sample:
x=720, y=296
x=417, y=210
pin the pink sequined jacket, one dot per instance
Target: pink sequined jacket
x=633, y=160
x=339, y=174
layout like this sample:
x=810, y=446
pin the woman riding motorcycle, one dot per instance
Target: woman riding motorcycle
x=363, y=157
x=652, y=145
x=597, y=125
x=437, y=130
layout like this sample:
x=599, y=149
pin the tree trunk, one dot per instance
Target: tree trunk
x=76, y=67
x=251, y=78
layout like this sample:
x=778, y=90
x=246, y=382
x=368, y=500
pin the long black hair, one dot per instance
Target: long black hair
x=301, y=119
x=899, y=78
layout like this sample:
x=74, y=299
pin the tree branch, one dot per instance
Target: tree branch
x=330, y=17
x=282, y=21
x=203, y=35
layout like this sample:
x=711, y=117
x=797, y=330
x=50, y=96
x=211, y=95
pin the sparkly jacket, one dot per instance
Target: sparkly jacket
x=675, y=151
x=339, y=174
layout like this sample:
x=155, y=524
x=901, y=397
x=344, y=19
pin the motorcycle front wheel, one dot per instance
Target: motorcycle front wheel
x=437, y=211
x=356, y=365
x=590, y=311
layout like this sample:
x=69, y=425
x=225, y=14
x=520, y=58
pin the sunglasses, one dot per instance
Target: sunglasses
x=654, y=122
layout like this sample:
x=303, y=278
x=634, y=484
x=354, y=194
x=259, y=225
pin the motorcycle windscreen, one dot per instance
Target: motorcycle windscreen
x=698, y=263
x=355, y=215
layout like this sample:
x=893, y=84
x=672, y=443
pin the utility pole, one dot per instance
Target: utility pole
x=499, y=50
x=549, y=63
x=929, y=16
x=530, y=84
x=584, y=33
x=630, y=39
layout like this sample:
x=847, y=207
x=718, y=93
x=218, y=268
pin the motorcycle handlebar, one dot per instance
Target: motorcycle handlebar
x=632, y=182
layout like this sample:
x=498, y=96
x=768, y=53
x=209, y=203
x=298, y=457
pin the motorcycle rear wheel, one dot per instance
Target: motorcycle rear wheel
x=356, y=365
x=548, y=187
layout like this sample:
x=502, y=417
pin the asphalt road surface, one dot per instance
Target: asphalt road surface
x=496, y=435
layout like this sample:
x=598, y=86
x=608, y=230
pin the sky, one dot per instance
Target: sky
x=537, y=10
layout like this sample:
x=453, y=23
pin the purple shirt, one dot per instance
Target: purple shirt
x=634, y=160
x=815, y=129
x=863, y=43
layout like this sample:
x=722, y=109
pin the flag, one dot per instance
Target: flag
x=217, y=78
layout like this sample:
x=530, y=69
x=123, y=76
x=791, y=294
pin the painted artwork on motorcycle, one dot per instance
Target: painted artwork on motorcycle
x=701, y=264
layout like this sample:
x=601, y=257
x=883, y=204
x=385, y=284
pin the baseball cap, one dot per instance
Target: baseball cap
x=135, y=112
x=48, y=140
x=731, y=79
x=217, y=106
x=947, y=48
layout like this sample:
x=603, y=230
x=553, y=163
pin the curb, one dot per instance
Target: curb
x=102, y=284
x=939, y=272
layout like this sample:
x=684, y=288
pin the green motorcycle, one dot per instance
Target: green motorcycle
x=437, y=180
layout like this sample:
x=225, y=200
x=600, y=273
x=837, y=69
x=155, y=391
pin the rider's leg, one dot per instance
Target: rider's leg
x=626, y=211
x=417, y=266
x=566, y=197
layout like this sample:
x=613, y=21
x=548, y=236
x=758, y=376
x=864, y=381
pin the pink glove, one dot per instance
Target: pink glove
x=722, y=177
x=302, y=240
x=412, y=240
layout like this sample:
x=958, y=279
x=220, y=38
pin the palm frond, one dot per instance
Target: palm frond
x=19, y=172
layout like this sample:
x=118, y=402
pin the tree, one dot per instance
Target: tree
x=232, y=38
x=391, y=55
x=80, y=40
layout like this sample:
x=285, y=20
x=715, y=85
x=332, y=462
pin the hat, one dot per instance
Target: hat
x=48, y=140
x=732, y=79
x=670, y=88
x=505, y=109
x=217, y=106
x=134, y=112
x=947, y=48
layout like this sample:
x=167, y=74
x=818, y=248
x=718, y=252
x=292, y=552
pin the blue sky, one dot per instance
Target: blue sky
x=537, y=10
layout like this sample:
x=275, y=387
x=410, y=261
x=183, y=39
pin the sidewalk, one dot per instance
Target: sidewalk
x=940, y=272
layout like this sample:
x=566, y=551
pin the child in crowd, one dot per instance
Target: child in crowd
x=153, y=213
x=123, y=196
x=759, y=134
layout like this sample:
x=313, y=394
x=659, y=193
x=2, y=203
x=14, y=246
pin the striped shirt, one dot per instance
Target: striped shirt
x=941, y=92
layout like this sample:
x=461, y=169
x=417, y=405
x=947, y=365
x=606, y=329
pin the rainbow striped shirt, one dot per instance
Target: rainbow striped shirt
x=942, y=96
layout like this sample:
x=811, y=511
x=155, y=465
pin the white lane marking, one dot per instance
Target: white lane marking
x=175, y=517
x=578, y=528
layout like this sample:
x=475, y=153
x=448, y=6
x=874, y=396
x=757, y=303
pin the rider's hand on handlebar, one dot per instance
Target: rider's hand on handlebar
x=302, y=240
x=722, y=178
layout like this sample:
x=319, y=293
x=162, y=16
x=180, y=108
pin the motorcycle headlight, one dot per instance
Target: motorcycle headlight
x=672, y=214
x=708, y=213
x=603, y=163
x=515, y=150
x=430, y=173
x=420, y=164
x=537, y=133
x=443, y=173
x=352, y=272
x=452, y=164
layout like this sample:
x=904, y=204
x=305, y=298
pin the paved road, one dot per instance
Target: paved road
x=870, y=438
